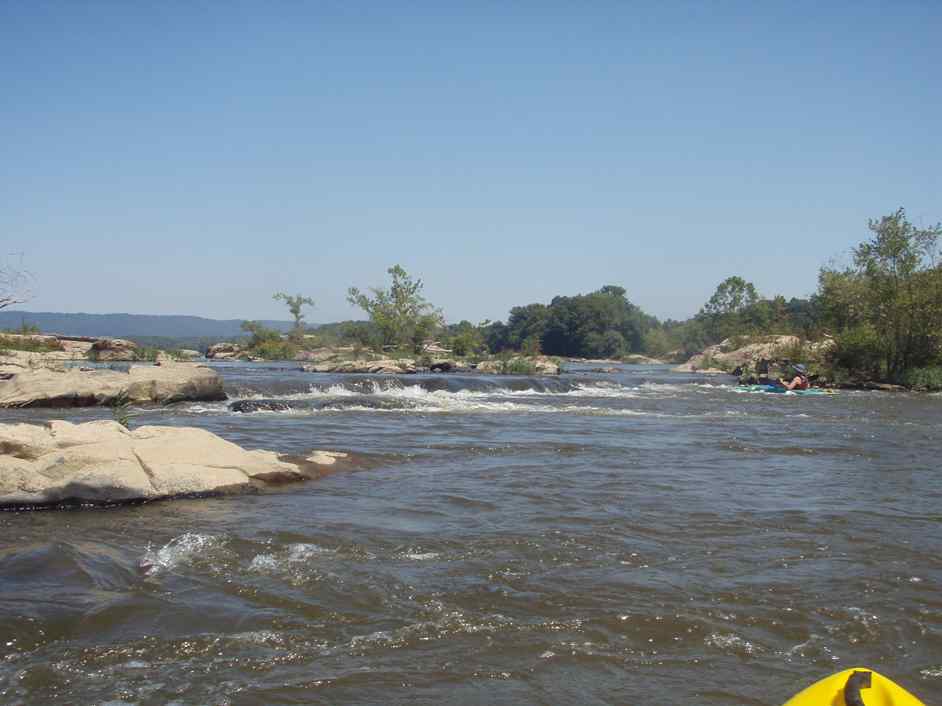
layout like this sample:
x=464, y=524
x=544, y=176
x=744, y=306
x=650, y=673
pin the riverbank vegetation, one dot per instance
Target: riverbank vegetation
x=877, y=318
x=880, y=315
x=27, y=338
x=19, y=343
x=400, y=316
x=886, y=308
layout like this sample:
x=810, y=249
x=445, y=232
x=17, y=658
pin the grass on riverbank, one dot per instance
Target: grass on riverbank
x=25, y=343
x=926, y=379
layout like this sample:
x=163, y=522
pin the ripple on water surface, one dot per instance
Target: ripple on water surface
x=605, y=539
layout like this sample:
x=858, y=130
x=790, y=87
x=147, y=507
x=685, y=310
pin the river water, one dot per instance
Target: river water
x=641, y=537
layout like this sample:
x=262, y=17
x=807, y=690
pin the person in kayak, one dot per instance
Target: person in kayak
x=800, y=381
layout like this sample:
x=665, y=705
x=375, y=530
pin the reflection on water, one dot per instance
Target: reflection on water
x=640, y=537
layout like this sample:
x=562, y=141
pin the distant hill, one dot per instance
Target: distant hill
x=132, y=326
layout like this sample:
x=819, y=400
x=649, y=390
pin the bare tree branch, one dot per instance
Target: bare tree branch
x=15, y=282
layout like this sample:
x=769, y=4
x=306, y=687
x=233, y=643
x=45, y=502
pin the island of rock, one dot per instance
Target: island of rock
x=142, y=384
x=102, y=462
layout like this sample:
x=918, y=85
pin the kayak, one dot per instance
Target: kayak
x=859, y=686
x=778, y=389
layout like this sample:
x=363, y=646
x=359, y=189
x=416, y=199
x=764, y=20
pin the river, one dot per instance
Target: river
x=639, y=537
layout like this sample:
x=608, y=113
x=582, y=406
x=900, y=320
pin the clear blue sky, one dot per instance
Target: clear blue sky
x=195, y=157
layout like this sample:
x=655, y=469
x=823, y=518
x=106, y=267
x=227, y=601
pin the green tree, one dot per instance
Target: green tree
x=727, y=313
x=295, y=304
x=841, y=298
x=900, y=284
x=658, y=342
x=524, y=322
x=467, y=339
x=601, y=323
x=496, y=336
x=361, y=334
x=259, y=333
x=401, y=315
x=732, y=296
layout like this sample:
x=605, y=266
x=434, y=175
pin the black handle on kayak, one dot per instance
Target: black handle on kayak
x=856, y=682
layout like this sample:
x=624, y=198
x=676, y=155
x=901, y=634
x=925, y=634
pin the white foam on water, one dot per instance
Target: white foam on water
x=177, y=551
x=263, y=563
x=394, y=390
x=454, y=406
x=447, y=624
x=260, y=637
x=306, y=552
x=300, y=553
x=801, y=648
x=731, y=642
x=416, y=399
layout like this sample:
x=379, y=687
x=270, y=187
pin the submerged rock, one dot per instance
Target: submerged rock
x=448, y=365
x=103, y=463
x=172, y=382
x=259, y=406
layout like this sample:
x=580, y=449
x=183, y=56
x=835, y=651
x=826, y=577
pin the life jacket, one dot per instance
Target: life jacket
x=804, y=383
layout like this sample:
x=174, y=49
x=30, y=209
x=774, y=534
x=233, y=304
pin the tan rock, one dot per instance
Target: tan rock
x=436, y=348
x=112, y=349
x=14, y=362
x=727, y=356
x=540, y=365
x=141, y=384
x=318, y=355
x=641, y=360
x=78, y=347
x=387, y=366
x=224, y=351
x=102, y=462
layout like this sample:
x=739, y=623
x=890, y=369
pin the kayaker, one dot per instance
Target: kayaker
x=800, y=381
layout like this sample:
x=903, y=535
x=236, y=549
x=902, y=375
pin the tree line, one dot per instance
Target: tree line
x=883, y=312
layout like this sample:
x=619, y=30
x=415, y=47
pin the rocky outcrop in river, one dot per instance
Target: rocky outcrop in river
x=385, y=365
x=103, y=463
x=635, y=359
x=408, y=366
x=728, y=356
x=224, y=351
x=113, y=349
x=520, y=365
x=141, y=384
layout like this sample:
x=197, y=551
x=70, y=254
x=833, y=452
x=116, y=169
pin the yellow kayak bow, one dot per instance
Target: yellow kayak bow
x=854, y=687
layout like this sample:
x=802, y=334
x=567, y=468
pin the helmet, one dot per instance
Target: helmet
x=800, y=369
